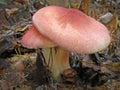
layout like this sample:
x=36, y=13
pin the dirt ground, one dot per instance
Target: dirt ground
x=23, y=69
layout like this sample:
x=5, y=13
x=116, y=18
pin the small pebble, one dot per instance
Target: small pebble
x=106, y=18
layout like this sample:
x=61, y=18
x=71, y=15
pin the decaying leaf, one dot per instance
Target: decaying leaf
x=7, y=44
x=85, y=6
x=115, y=67
x=11, y=11
x=3, y=19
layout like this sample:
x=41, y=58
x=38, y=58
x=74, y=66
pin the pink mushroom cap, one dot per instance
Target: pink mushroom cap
x=71, y=29
x=33, y=39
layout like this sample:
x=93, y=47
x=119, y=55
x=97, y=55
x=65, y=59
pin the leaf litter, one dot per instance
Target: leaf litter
x=24, y=69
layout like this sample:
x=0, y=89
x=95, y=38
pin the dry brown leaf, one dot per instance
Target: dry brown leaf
x=115, y=67
x=85, y=6
x=11, y=11
x=24, y=87
x=3, y=20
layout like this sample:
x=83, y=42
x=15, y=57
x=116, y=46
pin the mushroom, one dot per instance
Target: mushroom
x=69, y=29
x=60, y=59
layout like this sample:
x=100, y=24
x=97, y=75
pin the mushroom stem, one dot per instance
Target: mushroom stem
x=57, y=60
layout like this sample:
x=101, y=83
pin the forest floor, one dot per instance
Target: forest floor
x=18, y=70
